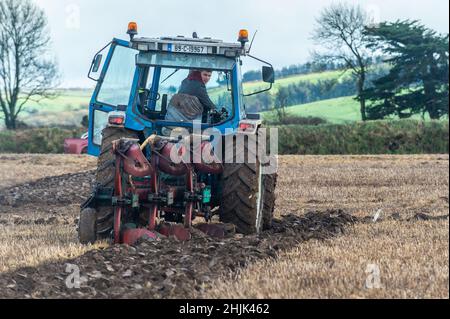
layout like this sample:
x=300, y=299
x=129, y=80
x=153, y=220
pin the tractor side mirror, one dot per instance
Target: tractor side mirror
x=97, y=63
x=96, y=67
x=268, y=74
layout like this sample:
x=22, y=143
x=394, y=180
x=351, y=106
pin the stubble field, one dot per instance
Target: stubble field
x=346, y=227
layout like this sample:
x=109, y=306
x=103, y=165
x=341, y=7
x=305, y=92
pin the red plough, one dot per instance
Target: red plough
x=145, y=193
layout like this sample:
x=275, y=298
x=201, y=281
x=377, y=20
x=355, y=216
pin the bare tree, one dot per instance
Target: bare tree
x=340, y=31
x=27, y=72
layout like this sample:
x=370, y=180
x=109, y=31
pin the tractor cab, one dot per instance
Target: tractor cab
x=138, y=79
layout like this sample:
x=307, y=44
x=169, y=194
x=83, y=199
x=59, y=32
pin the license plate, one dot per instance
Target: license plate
x=187, y=48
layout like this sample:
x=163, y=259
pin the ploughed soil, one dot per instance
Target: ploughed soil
x=166, y=268
x=169, y=268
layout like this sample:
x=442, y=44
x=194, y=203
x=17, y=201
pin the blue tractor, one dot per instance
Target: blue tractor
x=142, y=135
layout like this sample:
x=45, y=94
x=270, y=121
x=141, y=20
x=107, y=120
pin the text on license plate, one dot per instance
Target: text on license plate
x=185, y=48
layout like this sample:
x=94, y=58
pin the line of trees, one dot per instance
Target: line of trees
x=306, y=92
x=314, y=66
x=295, y=69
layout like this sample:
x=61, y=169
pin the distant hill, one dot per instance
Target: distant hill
x=67, y=109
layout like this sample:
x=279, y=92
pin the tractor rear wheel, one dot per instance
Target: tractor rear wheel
x=105, y=177
x=248, y=196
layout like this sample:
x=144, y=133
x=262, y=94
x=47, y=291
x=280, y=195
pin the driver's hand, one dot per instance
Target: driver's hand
x=218, y=116
x=225, y=111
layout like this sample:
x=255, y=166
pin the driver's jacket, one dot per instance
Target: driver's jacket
x=197, y=89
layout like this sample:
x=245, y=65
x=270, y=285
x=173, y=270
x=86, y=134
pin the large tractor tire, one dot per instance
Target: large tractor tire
x=105, y=177
x=248, y=196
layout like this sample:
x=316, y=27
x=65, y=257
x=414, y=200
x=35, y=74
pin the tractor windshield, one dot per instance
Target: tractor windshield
x=169, y=75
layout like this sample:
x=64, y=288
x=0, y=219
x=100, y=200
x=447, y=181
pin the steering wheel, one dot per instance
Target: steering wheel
x=218, y=116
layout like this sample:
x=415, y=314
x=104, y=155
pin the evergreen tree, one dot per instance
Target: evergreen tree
x=418, y=81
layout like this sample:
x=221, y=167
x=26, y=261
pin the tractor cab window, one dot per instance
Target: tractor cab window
x=116, y=86
x=171, y=91
x=186, y=88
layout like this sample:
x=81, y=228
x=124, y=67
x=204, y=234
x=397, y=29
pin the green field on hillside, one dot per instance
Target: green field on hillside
x=338, y=111
x=67, y=108
x=66, y=100
x=250, y=87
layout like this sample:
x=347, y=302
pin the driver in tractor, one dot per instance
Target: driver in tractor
x=192, y=103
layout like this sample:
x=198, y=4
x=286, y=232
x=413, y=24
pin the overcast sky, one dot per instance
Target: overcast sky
x=80, y=28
